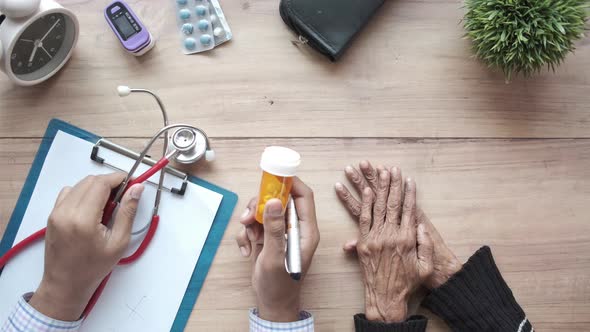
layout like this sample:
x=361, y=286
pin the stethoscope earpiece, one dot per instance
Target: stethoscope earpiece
x=19, y=8
x=122, y=90
x=210, y=155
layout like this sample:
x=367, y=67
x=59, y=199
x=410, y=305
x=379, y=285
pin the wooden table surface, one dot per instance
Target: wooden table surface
x=506, y=165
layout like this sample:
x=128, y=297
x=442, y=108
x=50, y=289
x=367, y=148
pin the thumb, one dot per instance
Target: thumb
x=350, y=246
x=425, y=252
x=274, y=227
x=121, y=231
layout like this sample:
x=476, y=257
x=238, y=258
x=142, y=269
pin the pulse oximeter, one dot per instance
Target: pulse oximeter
x=133, y=35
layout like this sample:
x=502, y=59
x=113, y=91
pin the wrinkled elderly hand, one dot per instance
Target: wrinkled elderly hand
x=278, y=296
x=395, y=254
x=445, y=262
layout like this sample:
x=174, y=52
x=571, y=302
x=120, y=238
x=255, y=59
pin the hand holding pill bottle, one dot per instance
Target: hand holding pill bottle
x=279, y=166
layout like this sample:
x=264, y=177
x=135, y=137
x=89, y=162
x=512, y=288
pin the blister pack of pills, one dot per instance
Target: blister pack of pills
x=201, y=24
x=221, y=31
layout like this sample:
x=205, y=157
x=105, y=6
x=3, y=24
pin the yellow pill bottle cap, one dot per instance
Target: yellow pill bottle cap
x=280, y=161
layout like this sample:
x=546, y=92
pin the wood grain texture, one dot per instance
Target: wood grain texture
x=514, y=172
x=527, y=199
x=409, y=74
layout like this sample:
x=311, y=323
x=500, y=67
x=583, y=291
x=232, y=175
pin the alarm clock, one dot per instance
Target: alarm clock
x=37, y=38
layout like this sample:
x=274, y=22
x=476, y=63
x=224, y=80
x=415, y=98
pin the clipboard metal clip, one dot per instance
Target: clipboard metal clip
x=134, y=155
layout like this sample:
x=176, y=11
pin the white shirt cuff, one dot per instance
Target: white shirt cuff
x=25, y=318
x=304, y=324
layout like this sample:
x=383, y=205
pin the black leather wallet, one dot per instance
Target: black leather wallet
x=328, y=26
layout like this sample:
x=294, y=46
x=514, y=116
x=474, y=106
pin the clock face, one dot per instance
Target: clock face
x=40, y=44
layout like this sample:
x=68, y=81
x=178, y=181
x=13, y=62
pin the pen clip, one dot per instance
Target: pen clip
x=287, y=256
x=292, y=249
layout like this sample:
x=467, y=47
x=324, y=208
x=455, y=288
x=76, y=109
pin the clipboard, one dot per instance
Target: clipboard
x=213, y=239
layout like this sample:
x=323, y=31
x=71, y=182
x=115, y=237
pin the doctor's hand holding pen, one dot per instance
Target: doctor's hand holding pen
x=79, y=250
x=278, y=295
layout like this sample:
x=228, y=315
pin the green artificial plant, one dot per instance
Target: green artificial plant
x=524, y=36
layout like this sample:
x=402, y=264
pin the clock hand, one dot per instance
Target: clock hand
x=50, y=29
x=33, y=54
x=49, y=55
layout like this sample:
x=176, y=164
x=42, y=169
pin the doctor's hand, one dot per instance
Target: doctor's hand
x=395, y=253
x=278, y=296
x=445, y=263
x=79, y=250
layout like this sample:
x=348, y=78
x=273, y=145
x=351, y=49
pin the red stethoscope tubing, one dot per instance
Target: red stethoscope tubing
x=21, y=246
x=39, y=235
x=124, y=261
x=106, y=217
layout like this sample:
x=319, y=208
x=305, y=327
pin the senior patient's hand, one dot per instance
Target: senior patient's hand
x=79, y=250
x=278, y=296
x=395, y=255
x=445, y=262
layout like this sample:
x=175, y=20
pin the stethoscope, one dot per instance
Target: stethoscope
x=187, y=145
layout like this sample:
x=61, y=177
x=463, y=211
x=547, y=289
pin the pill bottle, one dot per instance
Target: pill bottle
x=279, y=166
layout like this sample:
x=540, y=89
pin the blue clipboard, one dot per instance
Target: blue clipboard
x=224, y=213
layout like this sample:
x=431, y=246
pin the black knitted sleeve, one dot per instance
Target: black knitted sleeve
x=412, y=324
x=478, y=299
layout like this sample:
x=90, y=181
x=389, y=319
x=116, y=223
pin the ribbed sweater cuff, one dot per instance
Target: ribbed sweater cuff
x=412, y=324
x=478, y=299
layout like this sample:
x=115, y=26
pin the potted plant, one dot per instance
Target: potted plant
x=524, y=36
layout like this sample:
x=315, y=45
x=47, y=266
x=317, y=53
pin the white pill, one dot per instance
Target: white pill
x=218, y=32
x=213, y=18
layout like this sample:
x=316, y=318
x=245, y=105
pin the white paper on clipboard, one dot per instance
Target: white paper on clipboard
x=145, y=295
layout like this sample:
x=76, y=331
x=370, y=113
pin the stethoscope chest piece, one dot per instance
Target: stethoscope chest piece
x=192, y=146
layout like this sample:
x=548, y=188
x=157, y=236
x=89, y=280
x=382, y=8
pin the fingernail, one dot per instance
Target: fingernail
x=338, y=186
x=136, y=191
x=383, y=175
x=364, y=164
x=245, y=214
x=348, y=169
x=274, y=208
x=250, y=234
x=244, y=251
